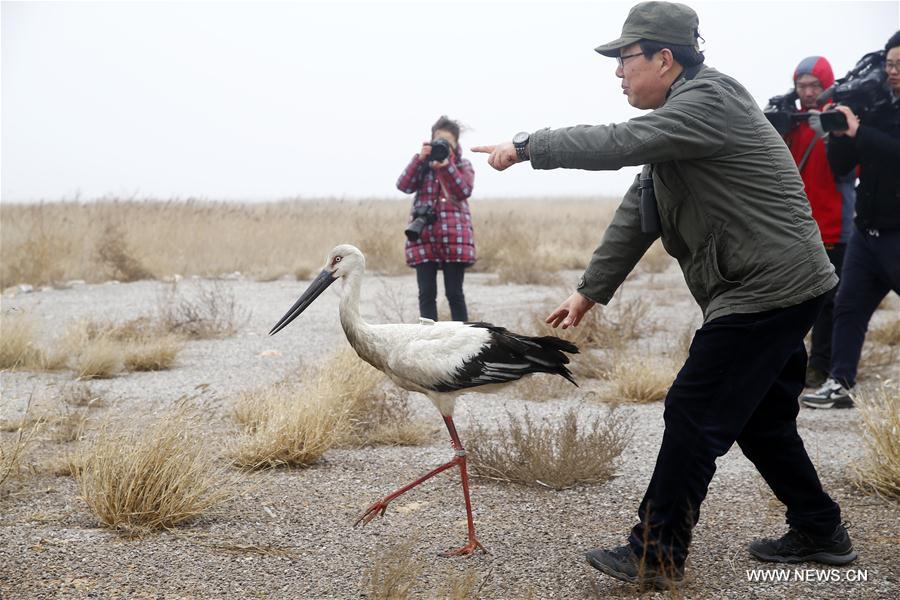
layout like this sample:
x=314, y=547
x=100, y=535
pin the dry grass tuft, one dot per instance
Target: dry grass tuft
x=101, y=350
x=211, y=311
x=555, y=455
x=153, y=477
x=153, y=354
x=284, y=427
x=96, y=357
x=18, y=349
x=640, y=377
x=12, y=451
x=344, y=402
x=393, y=575
x=879, y=471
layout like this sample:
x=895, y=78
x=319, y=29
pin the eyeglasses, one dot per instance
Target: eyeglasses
x=621, y=59
x=888, y=66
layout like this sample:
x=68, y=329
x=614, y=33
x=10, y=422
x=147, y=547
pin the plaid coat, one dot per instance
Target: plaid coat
x=451, y=237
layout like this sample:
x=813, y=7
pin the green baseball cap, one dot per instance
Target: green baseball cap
x=665, y=22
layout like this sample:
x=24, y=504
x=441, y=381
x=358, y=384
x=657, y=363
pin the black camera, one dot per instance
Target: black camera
x=422, y=215
x=440, y=149
x=862, y=89
x=781, y=111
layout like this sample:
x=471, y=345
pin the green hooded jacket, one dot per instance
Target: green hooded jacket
x=731, y=204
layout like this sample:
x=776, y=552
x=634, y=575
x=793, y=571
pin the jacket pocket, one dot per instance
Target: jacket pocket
x=716, y=282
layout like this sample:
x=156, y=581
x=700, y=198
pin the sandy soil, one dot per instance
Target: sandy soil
x=289, y=534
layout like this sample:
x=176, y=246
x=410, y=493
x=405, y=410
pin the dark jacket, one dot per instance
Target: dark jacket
x=876, y=149
x=731, y=202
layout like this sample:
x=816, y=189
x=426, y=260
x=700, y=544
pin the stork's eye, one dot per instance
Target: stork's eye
x=337, y=259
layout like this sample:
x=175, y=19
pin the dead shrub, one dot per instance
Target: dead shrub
x=555, y=455
x=100, y=350
x=118, y=259
x=879, y=470
x=394, y=573
x=639, y=377
x=143, y=478
x=211, y=311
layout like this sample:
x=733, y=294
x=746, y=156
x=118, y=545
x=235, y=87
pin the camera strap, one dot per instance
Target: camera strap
x=809, y=149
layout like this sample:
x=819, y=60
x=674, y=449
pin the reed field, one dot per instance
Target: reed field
x=52, y=243
x=155, y=441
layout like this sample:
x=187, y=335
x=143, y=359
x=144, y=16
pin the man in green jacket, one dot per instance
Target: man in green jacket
x=720, y=188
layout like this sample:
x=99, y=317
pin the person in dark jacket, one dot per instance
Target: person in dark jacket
x=720, y=188
x=872, y=261
x=831, y=197
x=447, y=241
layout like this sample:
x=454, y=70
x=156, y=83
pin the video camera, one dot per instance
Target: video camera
x=863, y=89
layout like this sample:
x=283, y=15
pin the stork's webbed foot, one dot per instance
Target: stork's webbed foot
x=376, y=510
x=468, y=549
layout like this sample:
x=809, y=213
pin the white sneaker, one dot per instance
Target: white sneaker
x=831, y=395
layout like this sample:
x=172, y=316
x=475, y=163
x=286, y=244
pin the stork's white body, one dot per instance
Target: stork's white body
x=441, y=360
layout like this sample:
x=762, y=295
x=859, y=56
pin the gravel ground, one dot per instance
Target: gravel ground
x=289, y=534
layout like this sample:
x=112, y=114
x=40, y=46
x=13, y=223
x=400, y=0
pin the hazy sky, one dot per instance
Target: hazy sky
x=312, y=99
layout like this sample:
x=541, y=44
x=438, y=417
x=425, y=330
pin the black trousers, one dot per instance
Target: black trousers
x=740, y=382
x=871, y=271
x=426, y=276
x=820, y=349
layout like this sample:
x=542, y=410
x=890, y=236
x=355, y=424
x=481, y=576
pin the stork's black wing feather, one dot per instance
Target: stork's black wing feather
x=509, y=356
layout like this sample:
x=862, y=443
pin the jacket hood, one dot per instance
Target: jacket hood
x=818, y=67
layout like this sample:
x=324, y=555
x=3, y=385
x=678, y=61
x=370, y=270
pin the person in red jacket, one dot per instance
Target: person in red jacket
x=447, y=240
x=831, y=197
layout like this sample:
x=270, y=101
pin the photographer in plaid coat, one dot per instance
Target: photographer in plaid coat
x=447, y=241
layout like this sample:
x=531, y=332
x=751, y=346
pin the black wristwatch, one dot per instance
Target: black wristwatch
x=520, y=141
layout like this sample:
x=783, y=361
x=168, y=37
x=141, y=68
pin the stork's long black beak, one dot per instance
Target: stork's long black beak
x=318, y=285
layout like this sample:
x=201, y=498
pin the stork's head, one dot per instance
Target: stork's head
x=342, y=261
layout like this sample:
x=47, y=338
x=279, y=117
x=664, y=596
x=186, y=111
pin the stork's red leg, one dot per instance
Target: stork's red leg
x=473, y=542
x=379, y=507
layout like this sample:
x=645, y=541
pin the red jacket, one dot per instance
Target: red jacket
x=451, y=237
x=831, y=200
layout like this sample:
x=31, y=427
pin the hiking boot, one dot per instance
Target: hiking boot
x=831, y=395
x=623, y=564
x=815, y=378
x=796, y=546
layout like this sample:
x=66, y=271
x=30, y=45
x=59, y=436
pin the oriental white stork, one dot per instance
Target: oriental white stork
x=441, y=360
